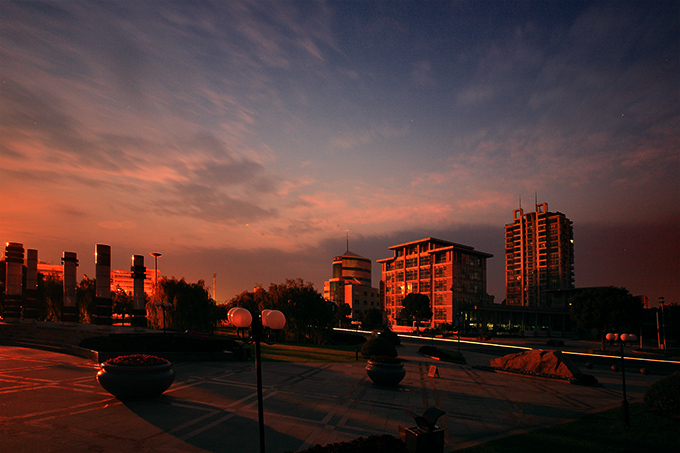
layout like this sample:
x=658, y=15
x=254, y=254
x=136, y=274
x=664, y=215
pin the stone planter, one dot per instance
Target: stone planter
x=136, y=382
x=385, y=374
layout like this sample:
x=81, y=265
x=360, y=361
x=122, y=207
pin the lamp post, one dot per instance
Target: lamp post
x=663, y=323
x=621, y=340
x=263, y=327
x=155, y=267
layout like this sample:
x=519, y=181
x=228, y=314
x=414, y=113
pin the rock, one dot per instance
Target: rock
x=539, y=362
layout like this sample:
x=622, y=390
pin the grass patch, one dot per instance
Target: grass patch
x=604, y=431
x=292, y=352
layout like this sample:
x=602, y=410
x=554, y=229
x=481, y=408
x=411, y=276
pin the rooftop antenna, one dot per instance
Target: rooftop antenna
x=520, y=202
x=347, y=231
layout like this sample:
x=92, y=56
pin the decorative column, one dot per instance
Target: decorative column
x=139, y=306
x=14, y=261
x=103, y=304
x=31, y=299
x=70, y=311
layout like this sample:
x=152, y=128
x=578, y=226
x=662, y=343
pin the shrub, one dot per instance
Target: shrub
x=390, y=336
x=664, y=395
x=378, y=346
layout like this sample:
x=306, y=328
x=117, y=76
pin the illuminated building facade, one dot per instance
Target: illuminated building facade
x=452, y=275
x=539, y=258
x=349, y=268
x=122, y=279
x=352, y=284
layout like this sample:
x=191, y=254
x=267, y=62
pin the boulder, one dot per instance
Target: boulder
x=537, y=361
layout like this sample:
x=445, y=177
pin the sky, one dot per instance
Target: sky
x=251, y=140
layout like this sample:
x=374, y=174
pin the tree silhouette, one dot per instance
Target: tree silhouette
x=192, y=307
x=607, y=309
x=309, y=317
x=416, y=307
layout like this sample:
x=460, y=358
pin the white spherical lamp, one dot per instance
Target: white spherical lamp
x=275, y=320
x=241, y=318
x=263, y=316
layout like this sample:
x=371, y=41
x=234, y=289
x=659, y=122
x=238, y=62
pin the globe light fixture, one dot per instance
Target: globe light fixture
x=262, y=326
x=621, y=340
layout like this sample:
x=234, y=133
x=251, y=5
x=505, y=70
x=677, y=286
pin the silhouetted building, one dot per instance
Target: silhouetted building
x=452, y=275
x=539, y=258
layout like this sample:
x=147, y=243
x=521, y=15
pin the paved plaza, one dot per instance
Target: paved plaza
x=52, y=402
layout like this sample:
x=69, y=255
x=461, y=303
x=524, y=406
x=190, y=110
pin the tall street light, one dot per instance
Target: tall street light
x=263, y=326
x=155, y=267
x=621, y=340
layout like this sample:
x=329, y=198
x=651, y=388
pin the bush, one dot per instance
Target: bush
x=369, y=444
x=664, y=396
x=390, y=336
x=378, y=346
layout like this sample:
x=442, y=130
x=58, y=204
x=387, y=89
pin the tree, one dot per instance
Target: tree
x=50, y=297
x=416, y=307
x=606, y=309
x=373, y=318
x=309, y=317
x=121, y=302
x=192, y=307
x=86, y=299
x=342, y=312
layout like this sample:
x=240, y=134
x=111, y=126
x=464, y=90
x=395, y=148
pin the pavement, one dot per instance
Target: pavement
x=51, y=402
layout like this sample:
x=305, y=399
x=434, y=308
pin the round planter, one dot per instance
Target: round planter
x=136, y=382
x=385, y=374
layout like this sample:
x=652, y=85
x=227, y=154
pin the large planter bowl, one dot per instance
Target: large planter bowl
x=136, y=382
x=385, y=374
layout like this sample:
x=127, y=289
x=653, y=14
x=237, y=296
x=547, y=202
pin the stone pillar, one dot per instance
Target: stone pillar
x=14, y=261
x=103, y=304
x=70, y=263
x=139, y=306
x=31, y=299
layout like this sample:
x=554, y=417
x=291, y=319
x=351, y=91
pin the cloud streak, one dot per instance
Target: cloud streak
x=274, y=126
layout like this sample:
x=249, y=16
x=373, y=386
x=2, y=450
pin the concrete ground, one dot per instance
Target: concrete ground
x=51, y=402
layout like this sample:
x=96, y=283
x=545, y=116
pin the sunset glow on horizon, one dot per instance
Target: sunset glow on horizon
x=247, y=138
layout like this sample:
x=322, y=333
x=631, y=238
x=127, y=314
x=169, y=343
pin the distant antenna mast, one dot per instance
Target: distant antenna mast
x=347, y=231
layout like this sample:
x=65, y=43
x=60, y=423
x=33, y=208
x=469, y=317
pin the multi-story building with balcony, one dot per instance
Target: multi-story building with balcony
x=452, y=275
x=539, y=258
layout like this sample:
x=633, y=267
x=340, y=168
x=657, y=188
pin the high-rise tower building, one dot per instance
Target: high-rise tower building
x=351, y=284
x=452, y=275
x=539, y=257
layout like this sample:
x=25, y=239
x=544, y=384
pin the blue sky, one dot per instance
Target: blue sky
x=248, y=138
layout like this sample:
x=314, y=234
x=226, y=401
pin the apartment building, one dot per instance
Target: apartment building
x=539, y=258
x=452, y=275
